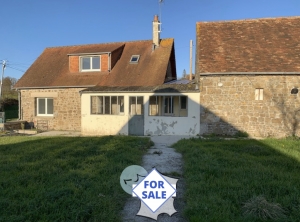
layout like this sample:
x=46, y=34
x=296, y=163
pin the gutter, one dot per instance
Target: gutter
x=195, y=91
x=53, y=87
x=248, y=73
x=19, y=105
x=93, y=53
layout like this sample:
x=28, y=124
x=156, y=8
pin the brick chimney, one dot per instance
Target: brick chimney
x=156, y=31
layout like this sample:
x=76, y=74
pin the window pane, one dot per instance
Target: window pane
x=49, y=106
x=93, y=104
x=183, y=100
x=107, y=104
x=42, y=106
x=153, y=106
x=132, y=102
x=85, y=62
x=96, y=105
x=121, y=104
x=140, y=105
x=168, y=105
x=96, y=62
x=114, y=105
x=100, y=104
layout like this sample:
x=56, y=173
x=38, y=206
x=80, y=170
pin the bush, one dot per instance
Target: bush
x=241, y=134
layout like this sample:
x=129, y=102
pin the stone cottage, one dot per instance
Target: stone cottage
x=110, y=88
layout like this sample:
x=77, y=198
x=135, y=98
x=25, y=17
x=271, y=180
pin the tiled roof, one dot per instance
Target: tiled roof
x=165, y=88
x=51, y=68
x=258, y=45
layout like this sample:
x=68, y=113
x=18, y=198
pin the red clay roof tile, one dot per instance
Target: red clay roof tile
x=51, y=68
x=258, y=45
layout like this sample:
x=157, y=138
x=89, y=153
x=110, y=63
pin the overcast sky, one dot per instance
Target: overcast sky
x=29, y=26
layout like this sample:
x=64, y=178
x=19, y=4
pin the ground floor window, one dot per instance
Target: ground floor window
x=107, y=105
x=168, y=106
x=44, y=106
x=259, y=94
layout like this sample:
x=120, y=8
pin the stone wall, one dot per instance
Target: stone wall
x=66, y=108
x=228, y=105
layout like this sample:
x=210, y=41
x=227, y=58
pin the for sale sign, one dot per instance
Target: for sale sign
x=154, y=190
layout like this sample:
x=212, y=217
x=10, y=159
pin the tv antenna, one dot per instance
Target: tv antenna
x=160, y=6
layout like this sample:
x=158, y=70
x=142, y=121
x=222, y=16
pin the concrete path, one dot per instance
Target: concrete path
x=59, y=133
x=167, y=161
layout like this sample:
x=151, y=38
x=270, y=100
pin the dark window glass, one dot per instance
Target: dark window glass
x=183, y=100
x=96, y=62
x=86, y=63
x=107, y=104
x=42, y=106
x=49, y=106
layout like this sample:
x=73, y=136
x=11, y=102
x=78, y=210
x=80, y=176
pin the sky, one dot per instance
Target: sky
x=30, y=26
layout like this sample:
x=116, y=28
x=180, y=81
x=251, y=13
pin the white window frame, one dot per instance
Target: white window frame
x=46, y=108
x=103, y=107
x=160, y=104
x=259, y=94
x=91, y=63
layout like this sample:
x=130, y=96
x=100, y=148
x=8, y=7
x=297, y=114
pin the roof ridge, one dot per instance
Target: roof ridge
x=105, y=43
x=251, y=19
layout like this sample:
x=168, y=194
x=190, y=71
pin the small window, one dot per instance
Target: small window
x=90, y=63
x=259, y=94
x=44, y=107
x=134, y=59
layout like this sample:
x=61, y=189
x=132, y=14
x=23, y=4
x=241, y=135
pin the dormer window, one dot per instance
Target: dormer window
x=90, y=63
x=134, y=59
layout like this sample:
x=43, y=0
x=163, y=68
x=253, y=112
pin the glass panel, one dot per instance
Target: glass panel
x=183, y=102
x=168, y=105
x=49, y=106
x=132, y=102
x=121, y=104
x=41, y=106
x=114, y=105
x=153, y=111
x=107, y=104
x=85, y=63
x=93, y=104
x=96, y=62
x=140, y=105
x=100, y=104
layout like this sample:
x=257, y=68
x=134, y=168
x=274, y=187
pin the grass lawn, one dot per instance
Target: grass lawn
x=241, y=180
x=64, y=178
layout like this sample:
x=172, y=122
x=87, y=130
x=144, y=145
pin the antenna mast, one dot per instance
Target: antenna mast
x=3, y=67
x=160, y=18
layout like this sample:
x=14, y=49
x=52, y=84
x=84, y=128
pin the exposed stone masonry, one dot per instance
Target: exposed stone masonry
x=228, y=105
x=66, y=108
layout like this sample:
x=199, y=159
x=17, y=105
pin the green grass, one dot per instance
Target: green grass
x=65, y=179
x=241, y=180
